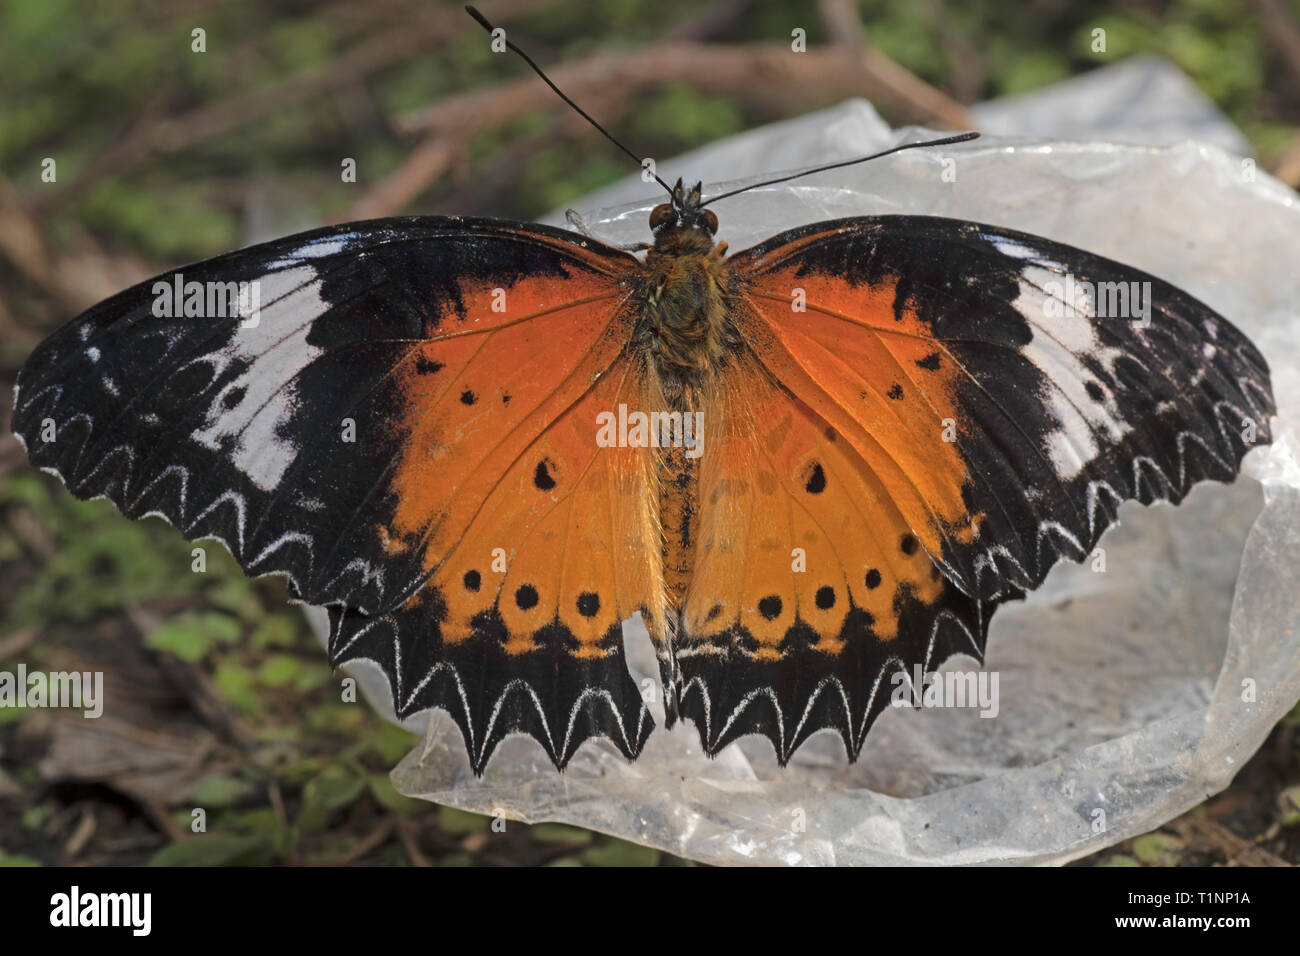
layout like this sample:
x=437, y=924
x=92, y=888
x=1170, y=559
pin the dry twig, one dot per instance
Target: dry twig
x=769, y=77
x=1287, y=166
x=1281, y=27
x=153, y=135
x=367, y=844
x=883, y=79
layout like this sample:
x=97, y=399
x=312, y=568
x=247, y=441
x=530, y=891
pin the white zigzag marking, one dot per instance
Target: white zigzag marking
x=812, y=699
x=745, y=701
x=477, y=743
x=618, y=718
x=858, y=735
x=369, y=574
x=162, y=475
x=1094, y=486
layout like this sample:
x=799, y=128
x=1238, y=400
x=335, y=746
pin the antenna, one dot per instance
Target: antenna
x=960, y=138
x=483, y=22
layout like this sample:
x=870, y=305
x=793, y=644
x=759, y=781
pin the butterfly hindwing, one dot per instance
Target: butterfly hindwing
x=534, y=644
x=809, y=588
x=405, y=429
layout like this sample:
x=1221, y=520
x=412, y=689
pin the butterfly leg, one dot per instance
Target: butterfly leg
x=670, y=674
x=574, y=219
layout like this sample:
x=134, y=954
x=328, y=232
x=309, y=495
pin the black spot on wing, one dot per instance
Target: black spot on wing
x=526, y=597
x=542, y=477
x=815, y=480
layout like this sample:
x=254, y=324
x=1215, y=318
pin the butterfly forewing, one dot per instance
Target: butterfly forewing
x=995, y=361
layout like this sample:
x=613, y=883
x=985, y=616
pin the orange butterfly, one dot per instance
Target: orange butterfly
x=808, y=466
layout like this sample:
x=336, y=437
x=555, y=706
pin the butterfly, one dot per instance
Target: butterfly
x=809, y=466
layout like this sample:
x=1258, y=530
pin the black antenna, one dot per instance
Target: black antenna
x=483, y=22
x=960, y=138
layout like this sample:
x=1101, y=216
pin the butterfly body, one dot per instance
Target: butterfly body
x=686, y=297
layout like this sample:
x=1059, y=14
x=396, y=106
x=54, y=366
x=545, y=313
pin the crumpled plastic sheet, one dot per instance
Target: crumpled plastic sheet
x=1124, y=695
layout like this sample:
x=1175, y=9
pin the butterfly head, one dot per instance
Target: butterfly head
x=683, y=213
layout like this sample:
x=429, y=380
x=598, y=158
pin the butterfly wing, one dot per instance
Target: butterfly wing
x=405, y=428
x=925, y=416
x=809, y=588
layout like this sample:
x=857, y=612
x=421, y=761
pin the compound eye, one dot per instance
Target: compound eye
x=662, y=215
x=710, y=222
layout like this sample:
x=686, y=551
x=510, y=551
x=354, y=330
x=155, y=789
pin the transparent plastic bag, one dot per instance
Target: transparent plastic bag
x=1126, y=697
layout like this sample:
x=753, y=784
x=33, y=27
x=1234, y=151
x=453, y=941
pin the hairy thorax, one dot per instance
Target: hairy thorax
x=683, y=298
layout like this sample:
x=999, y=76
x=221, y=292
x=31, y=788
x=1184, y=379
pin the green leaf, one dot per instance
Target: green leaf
x=336, y=718
x=7, y=859
x=1292, y=719
x=191, y=635
x=558, y=833
x=612, y=852
x=460, y=822
x=261, y=820
x=34, y=817
x=335, y=787
x=217, y=849
x=237, y=595
x=391, y=742
x=276, y=630
x=382, y=789
x=1289, y=800
x=239, y=687
x=279, y=671
x=1157, y=849
x=219, y=790
x=312, y=676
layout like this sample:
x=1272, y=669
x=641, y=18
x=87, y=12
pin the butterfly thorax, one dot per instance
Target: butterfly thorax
x=681, y=295
x=683, y=314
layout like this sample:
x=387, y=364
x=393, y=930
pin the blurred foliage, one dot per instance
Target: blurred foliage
x=325, y=759
x=79, y=77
